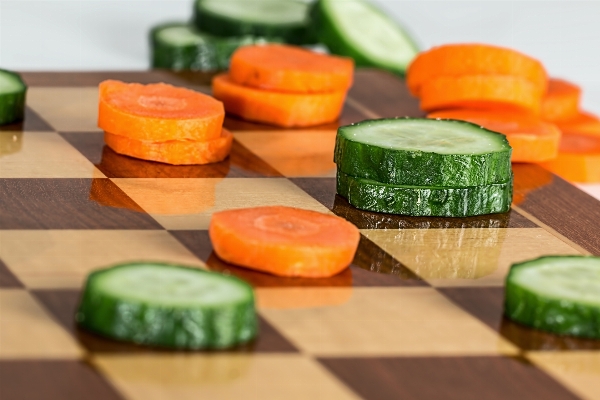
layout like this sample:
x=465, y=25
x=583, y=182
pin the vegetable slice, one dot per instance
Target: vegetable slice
x=561, y=101
x=578, y=159
x=531, y=139
x=454, y=60
x=276, y=108
x=423, y=152
x=284, y=241
x=158, y=112
x=420, y=201
x=559, y=294
x=168, y=305
x=12, y=97
x=583, y=123
x=286, y=20
x=359, y=30
x=177, y=152
x=290, y=69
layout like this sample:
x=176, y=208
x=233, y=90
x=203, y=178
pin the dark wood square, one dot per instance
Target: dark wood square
x=7, y=278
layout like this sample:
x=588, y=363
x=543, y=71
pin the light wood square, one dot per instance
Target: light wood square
x=28, y=332
x=466, y=257
x=294, y=153
x=42, y=155
x=64, y=258
x=221, y=376
x=181, y=204
x=577, y=370
x=67, y=109
x=388, y=322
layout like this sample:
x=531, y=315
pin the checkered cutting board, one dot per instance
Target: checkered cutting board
x=417, y=316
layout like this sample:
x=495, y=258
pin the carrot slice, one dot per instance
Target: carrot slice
x=284, y=241
x=158, y=112
x=561, y=101
x=178, y=152
x=290, y=69
x=455, y=60
x=578, y=159
x=277, y=108
x=486, y=92
x=583, y=123
x=532, y=139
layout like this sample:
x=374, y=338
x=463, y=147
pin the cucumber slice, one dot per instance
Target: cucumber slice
x=168, y=305
x=179, y=46
x=421, y=201
x=360, y=30
x=286, y=20
x=423, y=152
x=12, y=97
x=558, y=294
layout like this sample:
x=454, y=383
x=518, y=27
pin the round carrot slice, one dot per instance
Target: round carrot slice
x=487, y=92
x=177, y=152
x=455, y=60
x=284, y=241
x=583, y=123
x=531, y=139
x=290, y=69
x=277, y=108
x=561, y=101
x=158, y=112
x=578, y=159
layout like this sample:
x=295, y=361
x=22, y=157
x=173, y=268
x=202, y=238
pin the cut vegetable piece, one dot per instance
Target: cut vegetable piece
x=558, y=294
x=12, y=97
x=177, y=152
x=158, y=112
x=284, y=241
x=423, y=152
x=483, y=92
x=290, y=69
x=286, y=20
x=561, y=101
x=360, y=30
x=420, y=201
x=454, y=60
x=276, y=108
x=531, y=139
x=578, y=159
x=168, y=305
x=583, y=123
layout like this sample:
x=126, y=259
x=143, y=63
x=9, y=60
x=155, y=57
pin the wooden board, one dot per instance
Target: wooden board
x=417, y=316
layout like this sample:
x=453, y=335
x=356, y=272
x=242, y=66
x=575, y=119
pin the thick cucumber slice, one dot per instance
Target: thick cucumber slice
x=423, y=152
x=179, y=46
x=286, y=20
x=559, y=294
x=168, y=305
x=421, y=201
x=359, y=30
x=12, y=97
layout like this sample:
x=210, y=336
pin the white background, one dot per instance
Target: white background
x=113, y=35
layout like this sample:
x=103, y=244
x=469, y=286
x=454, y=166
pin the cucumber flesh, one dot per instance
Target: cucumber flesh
x=168, y=305
x=180, y=35
x=559, y=294
x=12, y=97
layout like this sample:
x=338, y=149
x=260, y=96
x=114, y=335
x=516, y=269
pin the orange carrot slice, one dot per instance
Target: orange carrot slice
x=578, y=159
x=455, y=60
x=178, y=152
x=284, y=241
x=583, y=123
x=561, y=101
x=532, y=139
x=277, y=108
x=290, y=69
x=158, y=112
x=486, y=92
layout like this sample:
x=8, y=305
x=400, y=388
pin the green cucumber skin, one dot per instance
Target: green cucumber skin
x=562, y=317
x=418, y=168
x=222, y=26
x=205, y=328
x=325, y=31
x=425, y=201
x=12, y=105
